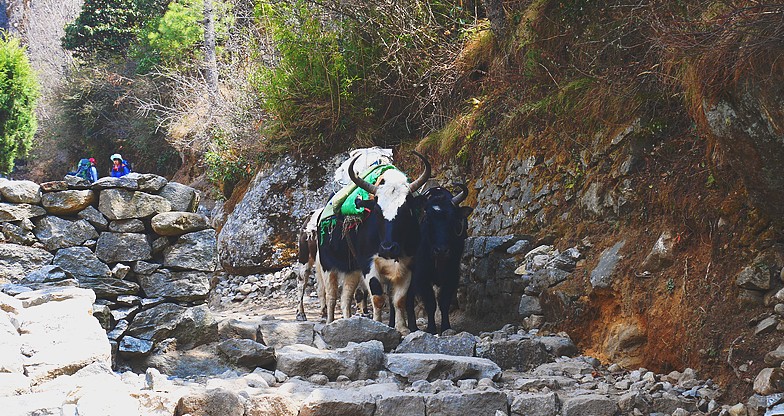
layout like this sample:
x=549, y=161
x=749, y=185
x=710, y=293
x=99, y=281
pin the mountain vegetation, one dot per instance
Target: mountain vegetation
x=18, y=95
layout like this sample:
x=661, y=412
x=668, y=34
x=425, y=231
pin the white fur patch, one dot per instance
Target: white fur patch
x=392, y=193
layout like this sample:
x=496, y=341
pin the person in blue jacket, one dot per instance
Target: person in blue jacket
x=119, y=166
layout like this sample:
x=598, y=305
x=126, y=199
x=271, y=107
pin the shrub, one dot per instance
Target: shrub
x=18, y=95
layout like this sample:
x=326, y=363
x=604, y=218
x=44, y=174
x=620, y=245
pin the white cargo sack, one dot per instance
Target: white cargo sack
x=369, y=157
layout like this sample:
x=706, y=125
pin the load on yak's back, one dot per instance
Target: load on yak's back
x=367, y=235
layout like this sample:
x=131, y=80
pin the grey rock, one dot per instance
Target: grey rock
x=143, y=267
x=190, y=326
x=118, y=330
x=94, y=217
x=148, y=182
x=438, y=366
x=181, y=286
x=18, y=261
x=126, y=182
x=104, y=316
x=769, y=381
x=601, y=276
x=52, y=186
x=281, y=333
x=467, y=403
x=337, y=402
x=81, y=261
x=108, y=287
x=183, y=198
x=50, y=273
x=194, y=251
x=122, y=247
x=20, y=192
x=75, y=182
x=67, y=202
x=178, y=223
x=357, y=361
x=17, y=235
x=521, y=354
x=462, y=344
x=571, y=368
x=236, y=329
x=132, y=225
x=400, y=404
x=215, y=402
x=767, y=325
x=359, y=329
x=529, y=305
x=120, y=204
x=668, y=403
x=559, y=346
x=754, y=277
x=536, y=404
x=120, y=271
x=248, y=353
x=135, y=347
x=589, y=404
x=19, y=212
x=661, y=255
x=56, y=233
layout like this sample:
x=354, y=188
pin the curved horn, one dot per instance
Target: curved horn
x=457, y=199
x=414, y=186
x=370, y=188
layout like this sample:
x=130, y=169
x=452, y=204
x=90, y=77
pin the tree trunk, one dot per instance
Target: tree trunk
x=497, y=15
x=210, y=60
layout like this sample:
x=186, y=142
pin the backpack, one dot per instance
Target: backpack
x=128, y=164
x=83, y=169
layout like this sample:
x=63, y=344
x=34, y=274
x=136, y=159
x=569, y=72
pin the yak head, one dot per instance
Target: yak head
x=443, y=222
x=392, y=207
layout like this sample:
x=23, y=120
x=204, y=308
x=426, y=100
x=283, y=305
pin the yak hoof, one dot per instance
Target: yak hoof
x=301, y=316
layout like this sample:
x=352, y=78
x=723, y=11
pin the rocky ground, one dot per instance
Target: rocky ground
x=267, y=363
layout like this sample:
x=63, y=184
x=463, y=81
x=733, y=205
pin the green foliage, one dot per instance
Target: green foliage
x=172, y=40
x=225, y=166
x=18, y=95
x=109, y=26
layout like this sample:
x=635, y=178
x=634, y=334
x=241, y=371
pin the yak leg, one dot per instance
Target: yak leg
x=302, y=285
x=445, y=295
x=429, y=299
x=321, y=289
x=399, y=304
x=360, y=296
x=410, y=311
x=331, y=288
x=350, y=282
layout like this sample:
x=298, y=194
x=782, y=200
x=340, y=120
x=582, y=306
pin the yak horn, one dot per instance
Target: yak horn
x=414, y=186
x=370, y=188
x=457, y=199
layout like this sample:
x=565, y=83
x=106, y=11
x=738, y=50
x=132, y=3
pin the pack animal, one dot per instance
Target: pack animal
x=443, y=230
x=383, y=238
x=306, y=257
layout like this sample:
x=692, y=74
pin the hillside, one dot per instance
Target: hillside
x=575, y=123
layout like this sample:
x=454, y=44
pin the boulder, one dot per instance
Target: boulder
x=190, y=326
x=147, y=182
x=358, y=329
x=754, y=277
x=337, y=402
x=194, y=251
x=19, y=212
x=109, y=182
x=357, y=361
x=108, y=287
x=75, y=182
x=121, y=204
x=178, y=223
x=11, y=360
x=67, y=202
x=20, y=192
x=662, y=254
x=248, y=353
x=272, y=404
x=60, y=333
x=134, y=347
x=769, y=381
x=46, y=274
x=52, y=186
x=398, y=403
x=536, y=404
x=601, y=276
x=183, y=198
x=132, y=225
x=215, y=402
x=94, y=217
x=476, y=402
x=18, y=261
x=81, y=261
x=462, y=344
x=236, y=329
x=17, y=235
x=529, y=305
x=432, y=367
x=125, y=247
x=56, y=233
x=589, y=404
x=278, y=334
x=181, y=286
x=521, y=354
x=143, y=267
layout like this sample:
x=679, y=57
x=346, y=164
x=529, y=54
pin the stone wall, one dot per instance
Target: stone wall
x=135, y=241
